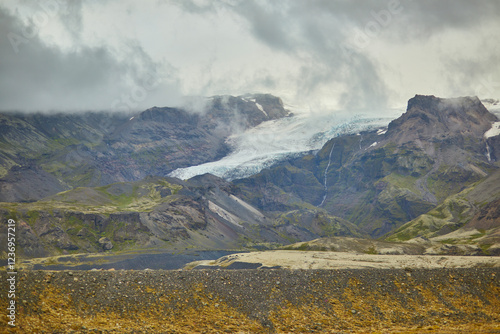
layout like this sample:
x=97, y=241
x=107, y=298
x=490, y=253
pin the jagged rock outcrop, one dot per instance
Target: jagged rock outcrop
x=380, y=180
x=429, y=118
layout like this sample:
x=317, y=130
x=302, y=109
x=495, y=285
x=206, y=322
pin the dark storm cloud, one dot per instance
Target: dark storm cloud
x=35, y=76
x=270, y=25
x=426, y=17
x=330, y=37
x=307, y=49
x=465, y=75
x=322, y=29
x=315, y=32
x=481, y=73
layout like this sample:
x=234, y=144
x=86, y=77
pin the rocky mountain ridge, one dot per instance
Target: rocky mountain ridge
x=432, y=118
x=381, y=179
x=470, y=217
x=204, y=212
x=42, y=154
x=430, y=178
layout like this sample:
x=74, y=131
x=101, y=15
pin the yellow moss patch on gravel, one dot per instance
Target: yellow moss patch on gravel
x=258, y=301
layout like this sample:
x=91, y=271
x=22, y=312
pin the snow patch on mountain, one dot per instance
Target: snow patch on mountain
x=261, y=109
x=494, y=131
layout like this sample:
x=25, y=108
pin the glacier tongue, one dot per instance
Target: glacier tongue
x=276, y=140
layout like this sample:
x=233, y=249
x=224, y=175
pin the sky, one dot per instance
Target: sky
x=320, y=55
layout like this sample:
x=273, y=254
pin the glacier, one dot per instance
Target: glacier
x=273, y=141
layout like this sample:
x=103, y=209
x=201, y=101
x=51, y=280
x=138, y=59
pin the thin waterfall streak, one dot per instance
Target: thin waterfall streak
x=326, y=177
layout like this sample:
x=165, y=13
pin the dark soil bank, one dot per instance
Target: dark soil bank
x=256, y=301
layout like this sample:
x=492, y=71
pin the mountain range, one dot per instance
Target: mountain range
x=98, y=182
x=42, y=154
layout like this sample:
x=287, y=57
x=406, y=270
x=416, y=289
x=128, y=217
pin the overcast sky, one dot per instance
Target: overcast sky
x=323, y=54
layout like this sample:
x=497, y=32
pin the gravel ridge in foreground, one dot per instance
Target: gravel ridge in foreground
x=257, y=301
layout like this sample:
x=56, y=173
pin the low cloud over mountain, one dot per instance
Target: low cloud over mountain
x=321, y=55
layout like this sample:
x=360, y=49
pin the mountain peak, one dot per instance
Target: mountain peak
x=433, y=103
x=430, y=117
x=423, y=100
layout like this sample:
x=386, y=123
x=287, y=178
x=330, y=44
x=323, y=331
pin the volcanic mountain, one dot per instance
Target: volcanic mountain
x=431, y=173
x=381, y=179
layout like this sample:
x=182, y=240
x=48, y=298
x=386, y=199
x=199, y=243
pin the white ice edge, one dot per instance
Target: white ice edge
x=261, y=109
x=272, y=141
x=494, y=131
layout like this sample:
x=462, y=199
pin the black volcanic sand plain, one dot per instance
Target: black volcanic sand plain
x=257, y=301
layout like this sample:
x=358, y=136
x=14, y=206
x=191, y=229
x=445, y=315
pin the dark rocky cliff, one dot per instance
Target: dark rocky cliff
x=205, y=212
